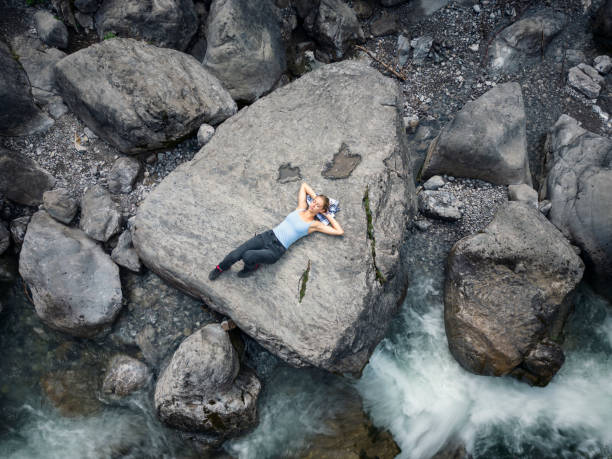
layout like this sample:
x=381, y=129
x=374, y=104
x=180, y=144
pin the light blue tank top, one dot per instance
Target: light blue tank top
x=291, y=229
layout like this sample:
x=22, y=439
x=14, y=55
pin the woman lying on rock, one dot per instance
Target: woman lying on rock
x=268, y=247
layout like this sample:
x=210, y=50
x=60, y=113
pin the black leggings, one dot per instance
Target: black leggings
x=263, y=248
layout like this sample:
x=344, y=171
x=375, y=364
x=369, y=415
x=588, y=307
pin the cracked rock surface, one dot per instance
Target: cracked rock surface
x=181, y=231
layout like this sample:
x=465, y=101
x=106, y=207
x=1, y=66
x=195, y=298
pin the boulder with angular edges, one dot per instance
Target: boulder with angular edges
x=139, y=97
x=340, y=129
x=75, y=285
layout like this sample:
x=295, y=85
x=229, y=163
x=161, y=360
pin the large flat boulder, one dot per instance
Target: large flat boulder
x=104, y=85
x=579, y=187
x=18, y=113
x=487, y=140
x=340, y=129
x=507, y=295
x=168, y=23
x=22, y=180
x=244, y=47
x=75, y=285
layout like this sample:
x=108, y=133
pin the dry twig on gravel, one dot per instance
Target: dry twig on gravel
x=395, y=73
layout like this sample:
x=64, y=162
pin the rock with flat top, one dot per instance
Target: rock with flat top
x=340, y=128
x=579, y=80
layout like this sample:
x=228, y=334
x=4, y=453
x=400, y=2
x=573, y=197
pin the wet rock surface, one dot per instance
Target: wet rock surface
x=75, y=286
x=347, y=334
x=244, y=48
x=124, y=376
x=103, y=85
x=579, y=187
x=508, y=289
x=204, y=389
x=168, y=24
x=157, y=318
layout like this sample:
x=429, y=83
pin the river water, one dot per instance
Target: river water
x=412, y=387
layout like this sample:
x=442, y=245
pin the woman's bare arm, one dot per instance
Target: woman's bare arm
x=333, y=228
x=305, y=190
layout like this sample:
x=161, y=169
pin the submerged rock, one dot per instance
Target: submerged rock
x=104, y=85
x=72, y=392
x=18, y=114
x=203, y=388
x=339, y=128
x=124, y=376
x=508, y=290
x=579, y=187
x=75, y=285
x=22, y=180
x=167, y=24
x=486, y=140
x=244, y=47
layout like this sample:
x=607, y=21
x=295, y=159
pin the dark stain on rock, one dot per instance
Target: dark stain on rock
x=342, y=165
x=286, y=173
x=304, y=281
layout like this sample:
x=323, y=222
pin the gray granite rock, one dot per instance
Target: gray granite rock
x=421, y=46
x=124, y=253
x=124, y=376
x=508, y=292
x=60, y=204
x=204, y=389
x=403, y=49
x=18, y=114
x=339, y=128
x=22, y=180
x=386, y=24
x=18, y=228
x=167, y=24
x=205, y=133
x=486, y=140
x=434, y=183
x=244, y=47
x=603, y=64
x=123, y=174
x=51, y=30
x=523, y=193
x=525, y=38
x=5, y=238
x=439, y=204
x=592, y=73
x=335, y=27
x=579, y=187
x=75, y=285
x=100, y=216
x=579, y=80
x=103, y=85
x=38, y=62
